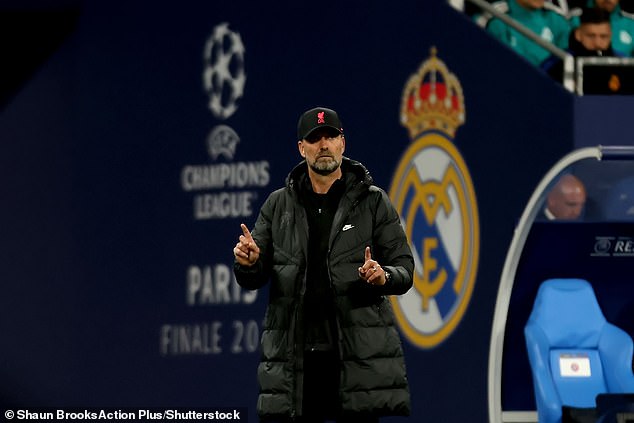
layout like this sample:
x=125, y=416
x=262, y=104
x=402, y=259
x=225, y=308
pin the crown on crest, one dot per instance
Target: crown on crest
x=432, y=99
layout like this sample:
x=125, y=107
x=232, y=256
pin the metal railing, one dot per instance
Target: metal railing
x=568, y=60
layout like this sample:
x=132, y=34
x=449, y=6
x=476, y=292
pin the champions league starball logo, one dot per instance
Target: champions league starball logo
x=433, y=193
x=226, y=187
x=224, y=76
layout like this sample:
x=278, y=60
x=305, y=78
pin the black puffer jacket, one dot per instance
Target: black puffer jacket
x=373, y=377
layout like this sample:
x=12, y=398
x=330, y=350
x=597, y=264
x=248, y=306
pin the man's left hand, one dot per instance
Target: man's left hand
x=371, y=271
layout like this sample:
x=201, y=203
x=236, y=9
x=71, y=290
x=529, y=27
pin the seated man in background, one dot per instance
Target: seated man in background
x=591, y=38
x=547, y=24
x=621, y=23
x=566, y=199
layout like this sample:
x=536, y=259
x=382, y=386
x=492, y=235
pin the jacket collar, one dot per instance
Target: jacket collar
x=355, y=175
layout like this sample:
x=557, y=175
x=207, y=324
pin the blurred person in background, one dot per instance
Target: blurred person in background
x=566, y=199
x=547, y=24
x=591, y=38
x=621, y=23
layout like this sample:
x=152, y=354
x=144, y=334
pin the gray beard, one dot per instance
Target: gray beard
x=326, y=168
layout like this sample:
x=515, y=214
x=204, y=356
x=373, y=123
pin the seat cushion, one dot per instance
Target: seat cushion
x=578, y=376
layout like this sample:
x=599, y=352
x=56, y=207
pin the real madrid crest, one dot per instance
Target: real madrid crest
x=433, y=193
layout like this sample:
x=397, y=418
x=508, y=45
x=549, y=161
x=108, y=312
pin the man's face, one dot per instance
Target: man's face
x=531, y=4
x=570, y=206
x=607, y=5
x=567, y=202
x=594, y=36
x=323, y=150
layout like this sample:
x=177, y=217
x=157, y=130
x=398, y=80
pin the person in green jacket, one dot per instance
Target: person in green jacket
x=548, y=24
x=622, y=25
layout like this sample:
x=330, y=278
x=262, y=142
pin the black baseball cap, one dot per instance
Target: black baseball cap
x=316, y=118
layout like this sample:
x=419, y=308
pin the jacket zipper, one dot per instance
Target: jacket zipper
x=297, y=403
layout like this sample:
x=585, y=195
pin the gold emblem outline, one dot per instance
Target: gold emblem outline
x=467, y=272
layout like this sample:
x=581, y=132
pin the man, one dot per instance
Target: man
x=591, y=38
x=566, y=199
x=622, y=26
x=548, y=24
x=332, y=246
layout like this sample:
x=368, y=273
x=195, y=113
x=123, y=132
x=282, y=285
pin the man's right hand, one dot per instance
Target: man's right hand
x=246, y=250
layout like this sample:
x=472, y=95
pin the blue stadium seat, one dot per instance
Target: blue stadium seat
x=574, y=353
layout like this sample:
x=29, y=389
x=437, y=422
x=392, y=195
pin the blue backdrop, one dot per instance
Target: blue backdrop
x=123, y=189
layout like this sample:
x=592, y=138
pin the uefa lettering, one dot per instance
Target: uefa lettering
x=434, y=194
